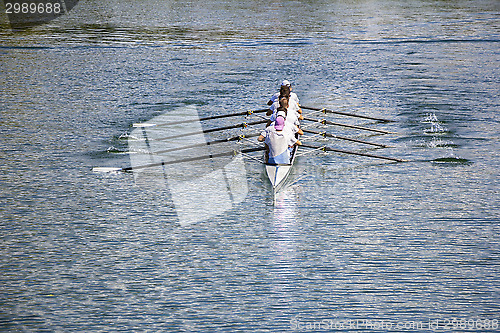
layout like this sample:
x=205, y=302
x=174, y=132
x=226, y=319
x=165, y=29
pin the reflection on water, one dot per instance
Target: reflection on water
x=285, y=233
x=284, y=254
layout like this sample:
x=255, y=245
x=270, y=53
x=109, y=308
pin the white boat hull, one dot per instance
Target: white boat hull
x=278, y=173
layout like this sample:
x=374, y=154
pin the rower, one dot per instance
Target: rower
x=284, y=93
x=293, y=105
x=291, y=95
x=278, y=140
x=291, y=117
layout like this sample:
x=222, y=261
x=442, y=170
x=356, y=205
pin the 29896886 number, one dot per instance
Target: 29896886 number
x=32, y=8
x=25, y=14
x=470, y=324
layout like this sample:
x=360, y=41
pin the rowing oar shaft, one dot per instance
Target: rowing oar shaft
x=246, y=113
x=327, y=122
x=353, y=153
x=191, y=159
x=202, y=144
x=345, y=114
x=242, y=125
x=344, y=138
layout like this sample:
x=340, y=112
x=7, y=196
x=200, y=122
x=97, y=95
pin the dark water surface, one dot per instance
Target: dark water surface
x=351, y=240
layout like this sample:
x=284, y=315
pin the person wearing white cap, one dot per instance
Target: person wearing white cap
x=278, y=140
x=292, y=96
x=276, y=102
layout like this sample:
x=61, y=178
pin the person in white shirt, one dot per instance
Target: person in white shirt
x=294, y=106
x=278, y=140
x=291, y=116
x=275, y=100
x=291, y=95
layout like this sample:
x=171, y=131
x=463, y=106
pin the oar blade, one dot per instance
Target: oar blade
x=142, y=125
x=106, y=169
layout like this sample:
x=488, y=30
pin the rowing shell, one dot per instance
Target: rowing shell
x=278, y=173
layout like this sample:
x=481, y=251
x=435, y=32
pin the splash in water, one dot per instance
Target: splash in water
x=436, y=125
x=439, y=143
x=430, y=118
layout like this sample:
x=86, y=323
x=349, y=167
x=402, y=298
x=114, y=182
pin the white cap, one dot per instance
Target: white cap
x=285, y=83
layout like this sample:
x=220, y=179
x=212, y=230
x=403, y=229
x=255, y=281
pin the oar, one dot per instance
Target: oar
x=234, y=138
x=345, y=114
x=353, y=153
x=344, y=138
x=184, y=160
x=242, y=125
x=327, y=122
x=246, y=113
